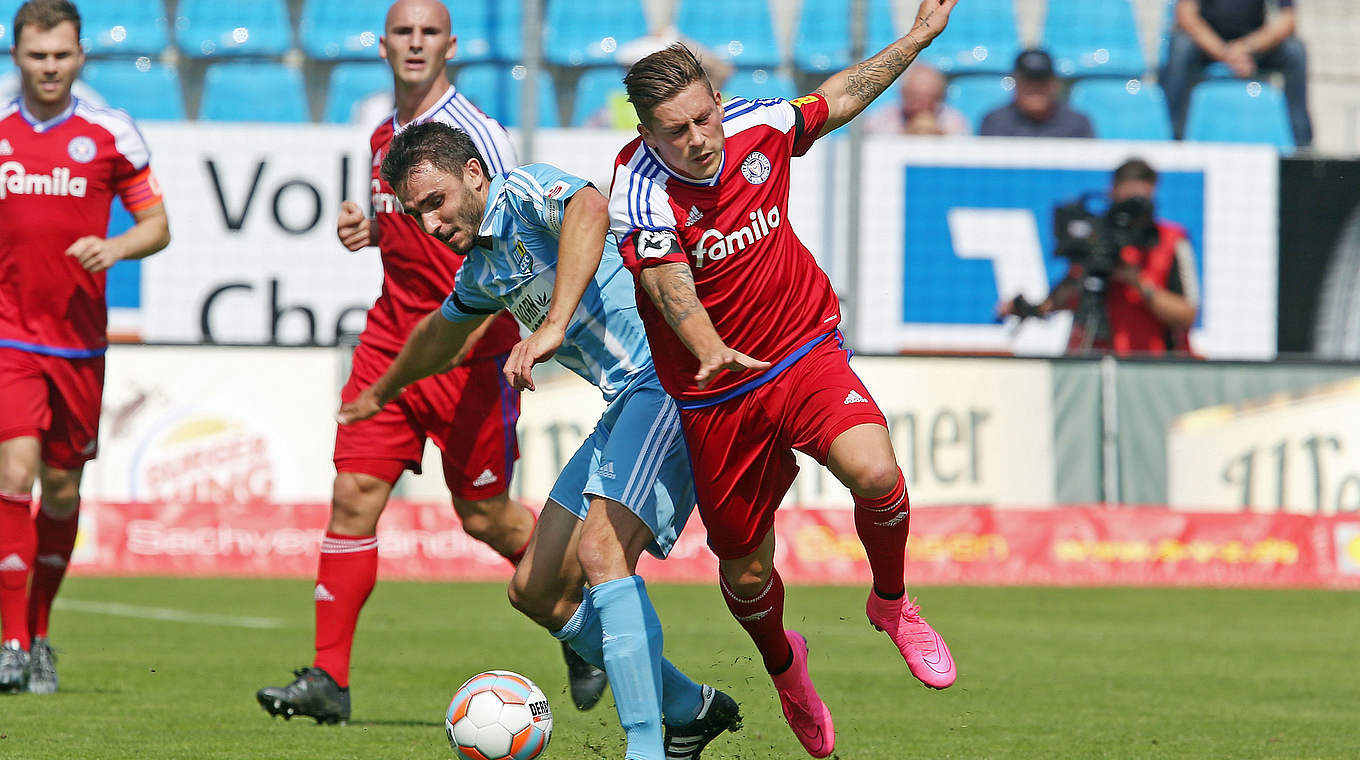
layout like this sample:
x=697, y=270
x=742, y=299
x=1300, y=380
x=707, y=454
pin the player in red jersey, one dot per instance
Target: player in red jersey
x=469, y=411
x=743, y=323
x=62, y=162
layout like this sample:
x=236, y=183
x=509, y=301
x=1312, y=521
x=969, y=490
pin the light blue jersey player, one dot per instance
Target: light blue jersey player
x=536, y=242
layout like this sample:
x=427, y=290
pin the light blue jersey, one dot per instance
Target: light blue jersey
x=636, y=455
x=605, y=341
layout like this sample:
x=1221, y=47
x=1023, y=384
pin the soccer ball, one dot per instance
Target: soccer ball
x=498, y=715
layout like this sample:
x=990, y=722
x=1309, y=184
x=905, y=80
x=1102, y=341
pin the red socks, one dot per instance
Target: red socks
x=56, y=540
x=344, y=578
x=882, y=527
x=18, y=543
x=763, y=619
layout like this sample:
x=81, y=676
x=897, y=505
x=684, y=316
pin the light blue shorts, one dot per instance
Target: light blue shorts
x=636, y=456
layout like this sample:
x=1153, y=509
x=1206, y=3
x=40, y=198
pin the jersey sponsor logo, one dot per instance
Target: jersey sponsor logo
x=5, y=148
x=81, y=149
x=803, y=101
x=532, y=299
x=694, y=215
x=384, y=203
x=715, y=245
x=756, y=168
x=15, y=180
x=654, y=244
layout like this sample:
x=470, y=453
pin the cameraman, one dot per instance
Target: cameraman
x=1150, y=296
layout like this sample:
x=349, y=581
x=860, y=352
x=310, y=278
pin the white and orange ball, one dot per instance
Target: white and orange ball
x=498, y=715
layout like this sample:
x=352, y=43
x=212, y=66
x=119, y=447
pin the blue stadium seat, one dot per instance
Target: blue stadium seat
x=7, y=10
x=822, y=41
x=1093, y=38
x=144, y=89
x=1224, y=110
x=341, y=29
x=981, y=37
x=118, y=27
x=211, y=28
x=758, y=83
x=253, y=91
x=495, y=88
x=596, y=90
x=589, y=32
x=977, y=94
x=350, y=84
x=742, y=32
x=1123, y=110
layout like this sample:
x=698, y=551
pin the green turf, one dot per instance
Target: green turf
x=1044, y=673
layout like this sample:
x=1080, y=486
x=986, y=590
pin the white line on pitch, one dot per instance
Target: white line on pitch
x=166, y=614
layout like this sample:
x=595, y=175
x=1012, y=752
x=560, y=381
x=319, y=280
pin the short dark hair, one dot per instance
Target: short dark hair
x=661, y=76
x=1135, y=169
x=45, y=14
x=433, y=143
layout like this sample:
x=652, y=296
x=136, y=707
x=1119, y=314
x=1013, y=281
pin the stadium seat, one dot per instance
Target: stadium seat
x=1123, y=110
x=1224, y=110
x=596, y=90
x=213, y=28
x=7, y=10
x=117, y=27
x=977, y=94
x=742, y=33
x=1093, y=38
x=822, y=40
x=350, y=83
x=253, y=91
x=495, y=88
x=981, y=37
x=589, y=32
x=144, y=89
x=344, y=29
x=758, y=83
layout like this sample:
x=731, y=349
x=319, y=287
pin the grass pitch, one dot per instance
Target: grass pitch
x=1044, y=673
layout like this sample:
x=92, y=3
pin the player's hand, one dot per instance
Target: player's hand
x=365, y=405
x=353, y=227
x=931, y=19
x=95, y=253
x=538, y=347
x=725, y=359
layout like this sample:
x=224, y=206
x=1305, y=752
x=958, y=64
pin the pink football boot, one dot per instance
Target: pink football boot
x=924, y=650
x=803, y=709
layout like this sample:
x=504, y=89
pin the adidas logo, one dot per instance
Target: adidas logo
x=13, y=563
x=854, y=398
x=51, y=560
x=323, y=594
x=694, y=215
x=5, y=148
x=606, y=470
x=485, y=479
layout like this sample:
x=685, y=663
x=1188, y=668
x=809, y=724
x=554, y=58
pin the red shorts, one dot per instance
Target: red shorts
x=741, y=450
x=469, y=412
x=55, y=400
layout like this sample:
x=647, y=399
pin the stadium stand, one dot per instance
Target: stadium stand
x=1093, y=38
x=341, y=29
x=144, y=89
x=1123, y=110
x=822, y=39
x=976, y=94
x=236, y=91
x=745, y=38
x=572, y=30
x=1224, y=110
x=350, y=83
x=596, y=90
x=495, y=88
x=7, y=10
x=759, y=83
x=212, y=28
x=985, y=39
x=118, y=27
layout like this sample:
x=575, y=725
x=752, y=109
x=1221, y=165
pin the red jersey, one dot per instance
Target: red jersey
x=57, y=181
x=418, y=270
x=763, y=290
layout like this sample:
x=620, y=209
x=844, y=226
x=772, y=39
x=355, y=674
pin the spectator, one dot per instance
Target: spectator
x=1036, y=111
x=1237, y=33
x=1150, y=299
x=921, y=109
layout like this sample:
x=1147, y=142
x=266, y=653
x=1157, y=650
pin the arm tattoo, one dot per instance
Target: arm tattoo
x=869, y=79
x=671, y=287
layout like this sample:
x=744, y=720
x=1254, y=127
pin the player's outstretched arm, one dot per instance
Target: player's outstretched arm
x=850, y=91
x=671, y=288
x=433, y=345
x=579, y=249
x=149, y=234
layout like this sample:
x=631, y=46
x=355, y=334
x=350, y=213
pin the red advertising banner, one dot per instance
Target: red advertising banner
x=949, y=545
